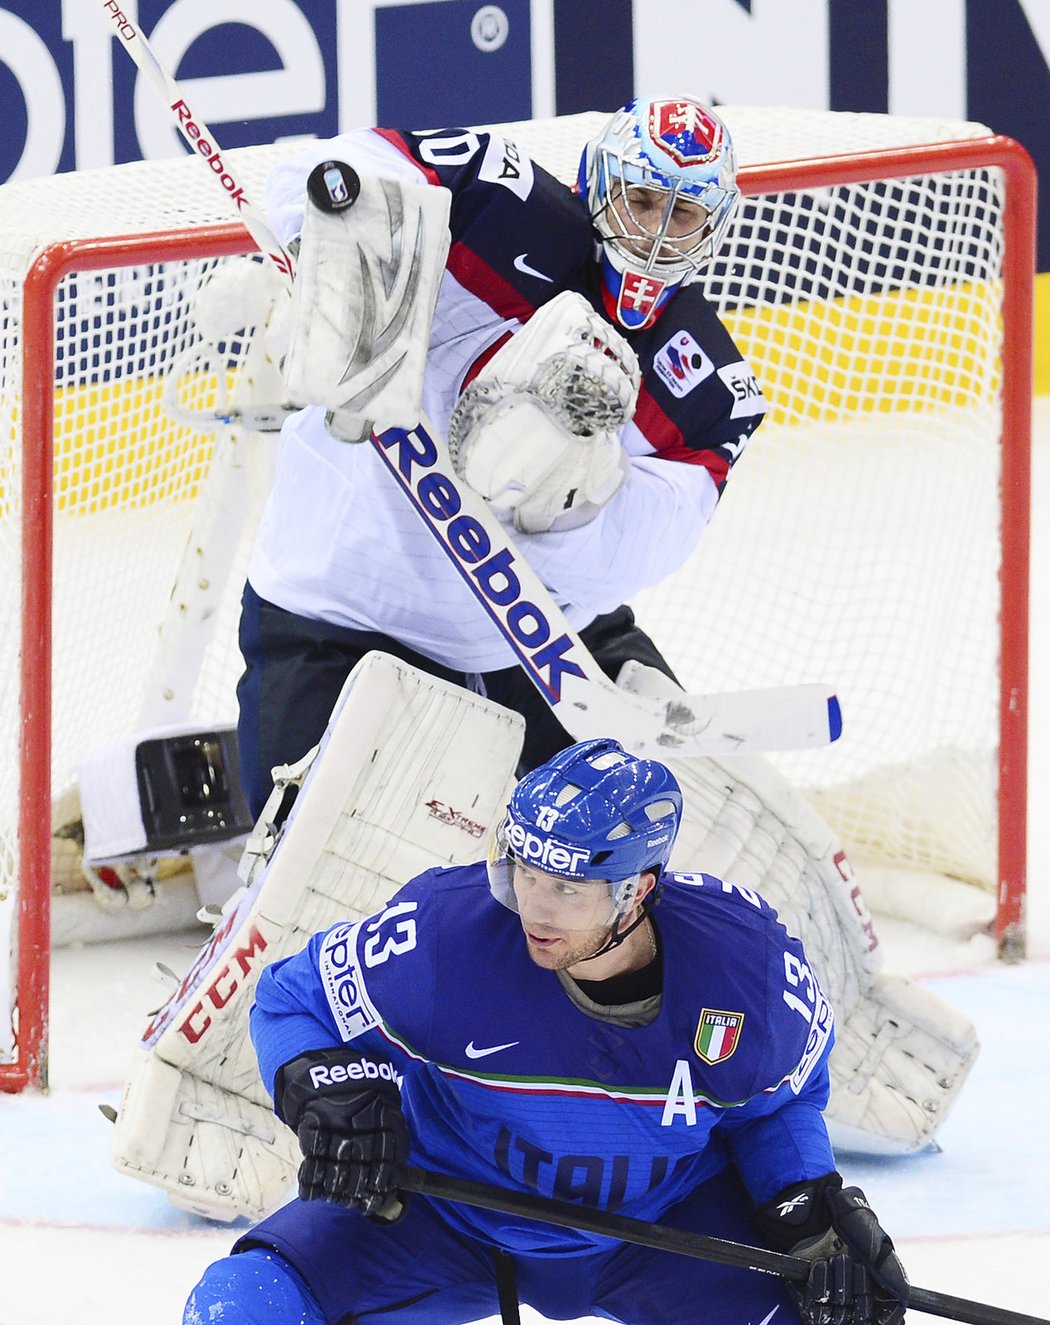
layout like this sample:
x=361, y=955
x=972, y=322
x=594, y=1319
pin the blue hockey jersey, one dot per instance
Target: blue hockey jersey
x=506, y=1080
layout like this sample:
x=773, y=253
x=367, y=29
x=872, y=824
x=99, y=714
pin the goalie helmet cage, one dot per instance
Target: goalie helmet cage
x=882, y=290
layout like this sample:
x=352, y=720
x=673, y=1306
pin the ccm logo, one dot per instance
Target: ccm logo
x=339, y=1073
x=222, y=987
x=412, y=458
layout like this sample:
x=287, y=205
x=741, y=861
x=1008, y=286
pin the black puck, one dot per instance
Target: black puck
x=333, y=186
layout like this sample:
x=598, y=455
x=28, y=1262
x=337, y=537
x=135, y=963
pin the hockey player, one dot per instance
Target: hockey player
x=541, y=1023
x=589, y=392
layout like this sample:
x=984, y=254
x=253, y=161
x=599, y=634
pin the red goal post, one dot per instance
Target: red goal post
x=1017, y=351
x=46, y=427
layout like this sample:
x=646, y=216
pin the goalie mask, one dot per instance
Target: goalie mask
x=588, y=823
x=660, y=186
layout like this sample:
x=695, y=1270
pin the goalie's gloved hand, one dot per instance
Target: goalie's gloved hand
x=856, y=1277
x=346, y=1111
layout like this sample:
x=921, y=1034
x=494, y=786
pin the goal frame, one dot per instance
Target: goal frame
x=30, y=1065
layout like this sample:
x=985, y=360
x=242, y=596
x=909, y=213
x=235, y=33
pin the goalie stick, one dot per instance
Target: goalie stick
x=586, y=702
x=700, y=1246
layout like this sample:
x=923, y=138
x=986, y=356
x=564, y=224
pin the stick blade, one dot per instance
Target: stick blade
x=795, y=717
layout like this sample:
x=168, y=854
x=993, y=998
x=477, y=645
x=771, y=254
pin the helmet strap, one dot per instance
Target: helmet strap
x=616, y=935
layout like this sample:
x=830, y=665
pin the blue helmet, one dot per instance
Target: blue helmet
x=679, y=150
x=591, y=812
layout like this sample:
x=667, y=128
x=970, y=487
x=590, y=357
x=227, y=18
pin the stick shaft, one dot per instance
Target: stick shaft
x=199, y=138
x=699, y=1246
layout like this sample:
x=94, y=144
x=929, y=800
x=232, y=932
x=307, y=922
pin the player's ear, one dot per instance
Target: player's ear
x=646, y=884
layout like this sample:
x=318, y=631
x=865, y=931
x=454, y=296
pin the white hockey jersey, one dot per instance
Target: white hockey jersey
x=338, y=542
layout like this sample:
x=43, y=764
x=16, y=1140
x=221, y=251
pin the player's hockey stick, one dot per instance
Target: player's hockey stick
x=585, y=700
x=685, y=1243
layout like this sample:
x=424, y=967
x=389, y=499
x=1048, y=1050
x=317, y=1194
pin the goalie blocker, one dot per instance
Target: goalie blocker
x=389, y=792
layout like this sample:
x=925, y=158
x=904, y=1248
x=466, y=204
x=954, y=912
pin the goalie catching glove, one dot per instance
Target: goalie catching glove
x=346, y=1112
x=855, y=1277
x=535, y=433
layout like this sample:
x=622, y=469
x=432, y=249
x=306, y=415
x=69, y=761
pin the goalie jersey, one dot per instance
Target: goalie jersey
x=505, y=1078
x=338, y=542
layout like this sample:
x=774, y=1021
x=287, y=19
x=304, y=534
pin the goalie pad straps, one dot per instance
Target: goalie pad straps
x=901, y=1057
x=362, y=305
x=412, y=772
x=535, y=433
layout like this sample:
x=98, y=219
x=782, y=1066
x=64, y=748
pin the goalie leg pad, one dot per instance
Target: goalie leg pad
x=901, y=1053
x=900, y=1059
x=363, y=301
x=412, y=772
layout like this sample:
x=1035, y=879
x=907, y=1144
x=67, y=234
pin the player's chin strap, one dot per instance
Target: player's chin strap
x=616, y=935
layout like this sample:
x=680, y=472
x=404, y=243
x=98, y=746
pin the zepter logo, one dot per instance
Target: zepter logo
x=555, y=857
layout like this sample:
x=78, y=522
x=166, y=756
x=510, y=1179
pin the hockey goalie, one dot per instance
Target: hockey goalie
x=593, y=399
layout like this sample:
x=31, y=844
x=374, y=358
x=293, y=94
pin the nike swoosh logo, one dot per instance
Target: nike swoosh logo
x=768, y=1318
x=523, y=266
x=484, y=1053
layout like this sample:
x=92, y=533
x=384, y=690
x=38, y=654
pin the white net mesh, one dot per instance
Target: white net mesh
x=858, y=542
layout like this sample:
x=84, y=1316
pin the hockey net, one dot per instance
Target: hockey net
x=874, y=535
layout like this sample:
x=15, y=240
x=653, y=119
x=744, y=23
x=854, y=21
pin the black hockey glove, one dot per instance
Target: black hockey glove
x=856, y=1277
x=346, y=1112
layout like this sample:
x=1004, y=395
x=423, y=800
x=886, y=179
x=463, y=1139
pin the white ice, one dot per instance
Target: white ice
x=78, y=1242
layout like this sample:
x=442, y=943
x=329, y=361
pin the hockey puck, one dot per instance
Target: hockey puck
x=333, y=186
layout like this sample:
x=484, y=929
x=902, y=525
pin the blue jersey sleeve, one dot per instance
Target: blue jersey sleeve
x=365, y=982
x=287, y=1019
x=781, y=1138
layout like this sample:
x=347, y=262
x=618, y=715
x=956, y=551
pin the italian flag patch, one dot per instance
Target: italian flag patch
x=717, y=1034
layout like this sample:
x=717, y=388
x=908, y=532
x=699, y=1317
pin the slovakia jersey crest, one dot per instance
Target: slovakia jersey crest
x=685, y=131
x=631, y=298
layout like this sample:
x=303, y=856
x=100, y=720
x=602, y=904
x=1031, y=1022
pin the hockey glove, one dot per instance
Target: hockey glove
x=346, y=1112
x=855, y=1277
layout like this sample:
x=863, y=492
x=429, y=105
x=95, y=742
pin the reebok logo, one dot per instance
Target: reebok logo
x=211, y=154
x=412, y=458
x=340, y=1073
